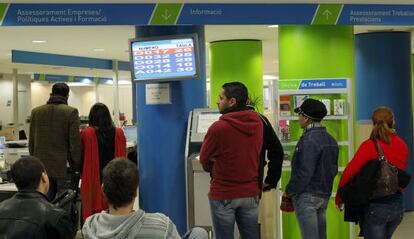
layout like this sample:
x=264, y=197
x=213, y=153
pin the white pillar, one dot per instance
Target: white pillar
x=116, y=92
x=15, y=104
x=97, y=91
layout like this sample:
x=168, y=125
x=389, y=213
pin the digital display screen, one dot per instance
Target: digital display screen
x=164, y=58
x=205, y=120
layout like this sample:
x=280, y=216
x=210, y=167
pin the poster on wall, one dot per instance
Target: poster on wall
x=157, y=94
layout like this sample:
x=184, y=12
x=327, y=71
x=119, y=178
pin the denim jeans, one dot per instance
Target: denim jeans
x=243, y=211
x=310, y=212
x=381, y=218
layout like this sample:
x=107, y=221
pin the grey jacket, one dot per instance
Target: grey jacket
x=134, y=225
x=314, y=163
x=55, y=139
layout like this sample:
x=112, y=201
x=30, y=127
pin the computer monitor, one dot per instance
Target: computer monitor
x=164, y=58
x=131, y=133
x=205, y=120
x=202, y=119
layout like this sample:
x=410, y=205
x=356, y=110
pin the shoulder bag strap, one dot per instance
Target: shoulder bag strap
x=379, y=150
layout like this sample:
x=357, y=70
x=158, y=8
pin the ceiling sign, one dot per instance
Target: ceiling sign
x=204, y=14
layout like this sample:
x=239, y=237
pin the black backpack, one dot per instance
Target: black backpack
x=67, y=201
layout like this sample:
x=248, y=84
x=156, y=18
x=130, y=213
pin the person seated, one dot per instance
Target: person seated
x=29, y=214
x=120, y=180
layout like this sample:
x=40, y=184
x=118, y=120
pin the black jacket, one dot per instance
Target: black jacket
x=28, y=214
x=274, y=149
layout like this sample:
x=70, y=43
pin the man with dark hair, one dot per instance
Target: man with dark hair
x=120, y=181
x=230, y=152
x=29, y=214
x=314, y=167
x=54, y=137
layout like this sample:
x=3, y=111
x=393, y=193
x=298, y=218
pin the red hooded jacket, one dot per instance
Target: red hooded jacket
x=231, y=148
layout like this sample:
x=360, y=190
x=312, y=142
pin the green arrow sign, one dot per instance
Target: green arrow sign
x=3, y=8
x=165, y=13
x=327, y=14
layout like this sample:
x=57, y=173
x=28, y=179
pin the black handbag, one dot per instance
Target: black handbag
x=387, y=176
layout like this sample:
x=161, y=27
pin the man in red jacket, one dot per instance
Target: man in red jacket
x=230, y=152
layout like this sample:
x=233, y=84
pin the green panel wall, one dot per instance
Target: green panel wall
x=236, y=60
x=318, y=52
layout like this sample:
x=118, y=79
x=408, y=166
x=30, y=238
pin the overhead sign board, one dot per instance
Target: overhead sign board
x=42, y=14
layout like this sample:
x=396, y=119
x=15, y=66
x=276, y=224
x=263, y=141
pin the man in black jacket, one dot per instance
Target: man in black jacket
x=274, y=149
x=29, y=214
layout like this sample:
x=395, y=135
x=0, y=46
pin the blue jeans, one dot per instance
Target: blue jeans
x=382, y=217
x=243, y=211
x=310, y=212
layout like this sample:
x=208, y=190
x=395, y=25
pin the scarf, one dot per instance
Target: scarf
x=57, y=99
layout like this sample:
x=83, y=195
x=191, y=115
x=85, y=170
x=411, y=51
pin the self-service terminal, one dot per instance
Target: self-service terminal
x=197, y=180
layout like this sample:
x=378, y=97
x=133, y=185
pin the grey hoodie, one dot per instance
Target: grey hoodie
x=134, y=225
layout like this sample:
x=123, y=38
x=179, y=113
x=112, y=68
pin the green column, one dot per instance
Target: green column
x=236, y=60
x=316, y=52
x=307, y=52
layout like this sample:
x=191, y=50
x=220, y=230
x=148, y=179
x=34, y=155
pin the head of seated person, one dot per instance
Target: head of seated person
x=29, y=174
x=28, y=212
x=120, y=181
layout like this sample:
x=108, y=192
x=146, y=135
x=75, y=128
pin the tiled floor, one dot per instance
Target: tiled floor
x=406, y=229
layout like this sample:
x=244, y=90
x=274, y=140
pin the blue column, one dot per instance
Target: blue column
x=162, y=132
x=383, y=77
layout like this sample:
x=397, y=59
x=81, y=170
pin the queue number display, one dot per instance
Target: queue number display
x=162, y=59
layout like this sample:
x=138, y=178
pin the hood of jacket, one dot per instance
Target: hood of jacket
x=104, y=225
x=246, y=121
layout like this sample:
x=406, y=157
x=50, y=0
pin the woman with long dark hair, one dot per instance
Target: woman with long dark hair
x=382, y=215
x=101, y=142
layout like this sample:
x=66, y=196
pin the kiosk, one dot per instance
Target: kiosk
x=197, y=180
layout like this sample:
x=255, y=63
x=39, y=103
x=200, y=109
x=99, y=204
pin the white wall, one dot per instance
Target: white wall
x=83, y=97
x=40, y=93
x=106, y=96
x=24, y=99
